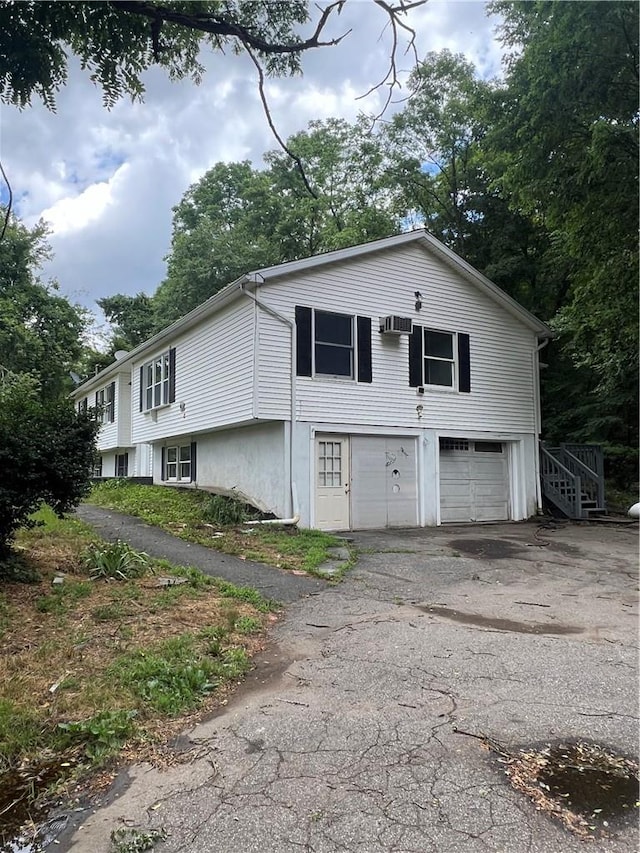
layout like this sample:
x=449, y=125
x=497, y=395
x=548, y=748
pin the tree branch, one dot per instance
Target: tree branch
x=267, y=112
x=9, y=204
x=394, y=22
x=218, y=25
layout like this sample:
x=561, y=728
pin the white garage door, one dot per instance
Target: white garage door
x=384, y=489
x=474, y=482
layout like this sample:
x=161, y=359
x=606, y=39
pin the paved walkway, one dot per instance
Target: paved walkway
x=278, y=584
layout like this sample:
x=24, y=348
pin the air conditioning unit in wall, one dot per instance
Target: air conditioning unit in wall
x=393, y=325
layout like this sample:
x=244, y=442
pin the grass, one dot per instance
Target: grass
x=216, y=522
x=89, y=667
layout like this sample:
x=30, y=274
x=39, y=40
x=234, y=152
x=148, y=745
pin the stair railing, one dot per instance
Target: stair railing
x=590, y=468
x=561, y=484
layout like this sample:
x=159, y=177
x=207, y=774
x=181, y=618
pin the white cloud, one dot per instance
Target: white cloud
x=72, y=214
x=107, y=180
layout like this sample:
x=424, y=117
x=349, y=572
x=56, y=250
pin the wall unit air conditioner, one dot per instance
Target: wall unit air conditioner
x=393, y=325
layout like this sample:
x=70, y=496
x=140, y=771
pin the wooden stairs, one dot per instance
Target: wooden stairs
x=572, y=477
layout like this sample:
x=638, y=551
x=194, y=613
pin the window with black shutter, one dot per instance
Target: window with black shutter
x=439, y=359
x=158, y=381
x=329, y=344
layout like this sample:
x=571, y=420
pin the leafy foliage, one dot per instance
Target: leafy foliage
x=132, y=840
x=46, y=454
x=564, y=142
x=40, y=331
x=115, y=561
x=103, y=734
x=176, y=674
x=116, y=42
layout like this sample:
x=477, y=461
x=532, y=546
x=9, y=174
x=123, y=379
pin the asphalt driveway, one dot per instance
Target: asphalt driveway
x=345, y=737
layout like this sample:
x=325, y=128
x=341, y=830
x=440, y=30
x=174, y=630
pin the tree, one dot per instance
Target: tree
x=46, y=454
x=566, y=138
x=116, y=41
x=131, y=317
x=438, y=168
x=564, y=143
x=223, y=226
x=350, y=203
x=236, y=218
x=40, y=331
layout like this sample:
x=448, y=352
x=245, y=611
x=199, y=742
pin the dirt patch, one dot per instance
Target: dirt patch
x=488, y=549
x=501, y=624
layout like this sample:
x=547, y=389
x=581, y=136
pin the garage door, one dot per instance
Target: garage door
x=474, y=482
x=383, y=482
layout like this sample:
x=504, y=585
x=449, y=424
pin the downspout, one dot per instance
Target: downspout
x=537, y=426
x=295, y=515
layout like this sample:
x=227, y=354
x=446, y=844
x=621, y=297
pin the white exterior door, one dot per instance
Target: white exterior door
x=383, y=482
x=332, y=482
x=474, y=481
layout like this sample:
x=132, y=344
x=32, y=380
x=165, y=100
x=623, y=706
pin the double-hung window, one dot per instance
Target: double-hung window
x=333, y=344
x=439, y=359
x=329, y=344
x=179, y=463
x=439, y=362
x=157, y=381
x=105, y=404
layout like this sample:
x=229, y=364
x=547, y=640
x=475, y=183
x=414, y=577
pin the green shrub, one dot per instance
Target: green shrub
x=46, y=453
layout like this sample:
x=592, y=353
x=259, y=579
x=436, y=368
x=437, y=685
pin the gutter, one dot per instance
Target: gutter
x=293, y=401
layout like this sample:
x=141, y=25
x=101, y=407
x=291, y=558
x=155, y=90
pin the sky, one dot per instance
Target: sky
x=106, y=180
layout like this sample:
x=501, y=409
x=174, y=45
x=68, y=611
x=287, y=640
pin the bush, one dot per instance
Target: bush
x=46, y=453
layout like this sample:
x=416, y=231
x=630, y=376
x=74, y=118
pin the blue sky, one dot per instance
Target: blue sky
x=106, y=180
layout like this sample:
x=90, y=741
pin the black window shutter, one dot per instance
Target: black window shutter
x=464, y=364
x=172, y=375
x=303, y=341
x=126, y=465
x=415, y=357
x=112, y=410
x=364, y=349
x=142, y=388
x=194, y=473
x=96, y=401
x=163, y=464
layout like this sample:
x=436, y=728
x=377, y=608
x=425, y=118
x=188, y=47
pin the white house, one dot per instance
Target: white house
x=388, y=384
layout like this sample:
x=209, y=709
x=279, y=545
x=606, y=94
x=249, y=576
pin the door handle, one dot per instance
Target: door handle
x=347, y=488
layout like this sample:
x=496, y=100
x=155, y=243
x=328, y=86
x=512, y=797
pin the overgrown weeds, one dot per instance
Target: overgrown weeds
x=88, y=668
x=218, y=522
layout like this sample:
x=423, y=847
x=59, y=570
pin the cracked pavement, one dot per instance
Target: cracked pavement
x=343, y=738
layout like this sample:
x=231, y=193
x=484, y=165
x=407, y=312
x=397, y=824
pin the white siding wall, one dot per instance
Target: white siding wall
x=118, y=433
x=502, y=387
x=249, y=461
x=214, y=377
x=123, y=408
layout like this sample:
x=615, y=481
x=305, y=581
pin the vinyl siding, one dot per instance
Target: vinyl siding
x=118, y=433
x=214, y=378
x=502, y=388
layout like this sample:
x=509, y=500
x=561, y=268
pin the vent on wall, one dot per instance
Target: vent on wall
x=393, y=325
